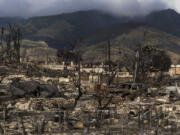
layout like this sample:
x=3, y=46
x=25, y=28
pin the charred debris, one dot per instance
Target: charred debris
x=72, y=97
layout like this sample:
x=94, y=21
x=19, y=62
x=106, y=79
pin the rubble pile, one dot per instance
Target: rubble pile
x=36, y=105
x=32, y=89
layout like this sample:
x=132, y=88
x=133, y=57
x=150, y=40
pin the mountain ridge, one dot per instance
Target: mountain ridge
x=62, y=31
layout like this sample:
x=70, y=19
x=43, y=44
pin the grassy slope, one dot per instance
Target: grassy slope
x=38, y=49
x=29, y=43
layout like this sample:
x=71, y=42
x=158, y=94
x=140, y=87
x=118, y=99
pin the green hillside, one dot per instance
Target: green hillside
x=96, y=28
x=131, y=37
x=4, y=21
x=166, y=20
x=61, y=31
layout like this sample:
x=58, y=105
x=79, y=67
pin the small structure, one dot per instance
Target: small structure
x=64, y=80
x=174, y=70
x=124, y=75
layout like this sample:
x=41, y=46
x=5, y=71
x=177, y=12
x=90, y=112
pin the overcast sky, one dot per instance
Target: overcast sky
x=28, y=8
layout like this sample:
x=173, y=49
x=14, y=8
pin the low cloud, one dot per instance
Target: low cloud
x=28, y=8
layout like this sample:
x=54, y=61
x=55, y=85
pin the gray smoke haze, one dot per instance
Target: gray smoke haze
x=28, y=8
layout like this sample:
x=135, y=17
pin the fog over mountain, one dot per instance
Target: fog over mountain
x=28, y=8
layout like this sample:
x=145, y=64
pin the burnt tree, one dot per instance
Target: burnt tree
x=16, y=37
x=10, y=44
x=66, y=56
x=149, y=59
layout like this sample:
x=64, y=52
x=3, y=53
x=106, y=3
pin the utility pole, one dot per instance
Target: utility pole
x=105, y=59
x=119, y=59
x=2, y=34
x=79, y=67
x=109, y=50
x=118, y=66
x=18, y=44
x=138, y=57
x=106, y=50
x=136, y=65
x=144, y=36
x=109, y=54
